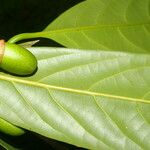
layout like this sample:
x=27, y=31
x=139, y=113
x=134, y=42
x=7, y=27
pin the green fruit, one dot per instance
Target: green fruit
x=16, y=59
x=10, y=129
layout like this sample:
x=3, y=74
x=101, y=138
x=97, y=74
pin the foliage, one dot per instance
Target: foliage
x=96, y=96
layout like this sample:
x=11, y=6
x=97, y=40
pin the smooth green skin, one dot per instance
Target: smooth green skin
x=10, y=129
x=18, y=60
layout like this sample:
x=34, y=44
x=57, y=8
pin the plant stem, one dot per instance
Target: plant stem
x=24, y=36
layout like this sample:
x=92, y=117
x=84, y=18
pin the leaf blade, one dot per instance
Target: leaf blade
x=69, y=113
x=99, y=24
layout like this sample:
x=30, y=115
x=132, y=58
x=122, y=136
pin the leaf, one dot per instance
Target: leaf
x=104, y=24
x=91, y=99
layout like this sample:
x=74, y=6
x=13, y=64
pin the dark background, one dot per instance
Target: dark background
x=19, y=16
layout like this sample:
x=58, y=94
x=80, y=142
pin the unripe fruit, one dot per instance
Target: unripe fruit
x=10, y=129
x=16, y=59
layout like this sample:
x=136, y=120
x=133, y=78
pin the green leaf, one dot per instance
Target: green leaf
x=104, y=24
x=116, y=25
x=91, y=99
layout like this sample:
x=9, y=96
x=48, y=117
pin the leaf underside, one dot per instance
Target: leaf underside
x=92, y=99
x=97, y=97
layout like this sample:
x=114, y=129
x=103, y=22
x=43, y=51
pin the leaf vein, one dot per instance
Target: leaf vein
x=113, y=75
x=76, y=91
x=66, y=111
x=83, y=65
x=114, y=122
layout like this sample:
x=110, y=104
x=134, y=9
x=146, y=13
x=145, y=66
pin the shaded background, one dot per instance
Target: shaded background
x=19, y=16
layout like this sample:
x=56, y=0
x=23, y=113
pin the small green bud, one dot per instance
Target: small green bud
x=16, y=59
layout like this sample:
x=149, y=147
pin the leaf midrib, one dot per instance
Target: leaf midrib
x=77, y=91
x=54, y=32
x=69, y=29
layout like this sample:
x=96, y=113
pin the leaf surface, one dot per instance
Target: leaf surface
x=91, y=99
x=104, y=24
